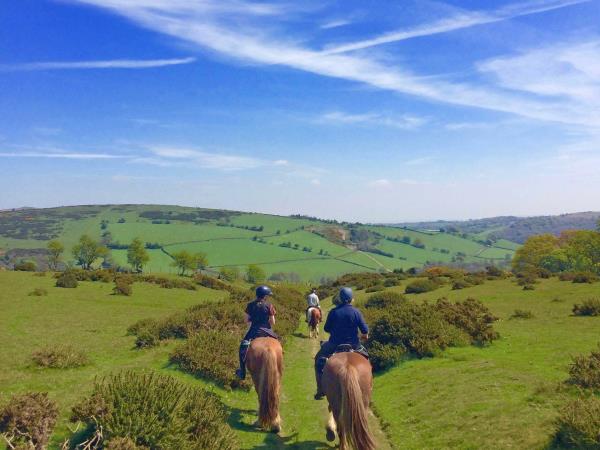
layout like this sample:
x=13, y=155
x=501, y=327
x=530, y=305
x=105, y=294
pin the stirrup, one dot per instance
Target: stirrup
x=241, y=374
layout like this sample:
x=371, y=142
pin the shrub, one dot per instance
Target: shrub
x=39, y=274
x=460, y=284
x=475, y=279
x=155, y=411
x=39, y=292
x=67, y=280
x=123, y=443
x=471, y=316
x=169, y=283
x=578, y=424
x=529, y=287
x=25, y=266
x=28, y=420
x=385, y=356
x=122, y=287
x=585, y=277
x=384, y=300
x=421, y=286
x=391, y=282
x=521, y=314
x=376, y=288
x=59, y=357
x=209, y=354
x=584, y=371
x=589, y=307
x=566, y=276
x=211, y=282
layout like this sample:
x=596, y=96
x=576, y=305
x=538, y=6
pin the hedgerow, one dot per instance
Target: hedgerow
x=154, y=411
x=27, y=420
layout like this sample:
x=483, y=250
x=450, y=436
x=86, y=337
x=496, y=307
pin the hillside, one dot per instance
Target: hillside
x=512, y=228
x=295, y=247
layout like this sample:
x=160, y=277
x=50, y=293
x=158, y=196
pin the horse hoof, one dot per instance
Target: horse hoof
x=276, y=429
x=330, y=435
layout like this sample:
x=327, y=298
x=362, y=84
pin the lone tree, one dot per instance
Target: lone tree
x=87, y=250
x=255, y=274
x=55, y=250
x=185, y=261
x=137, y=255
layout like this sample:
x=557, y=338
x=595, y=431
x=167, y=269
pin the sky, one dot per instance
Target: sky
x=376, y=111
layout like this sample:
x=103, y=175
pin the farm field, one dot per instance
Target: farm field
x=505, y=395
x=310, y=248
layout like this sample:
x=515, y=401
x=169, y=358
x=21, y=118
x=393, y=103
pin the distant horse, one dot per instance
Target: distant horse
x=347, y=383
x=265, y=363
x=313, y=322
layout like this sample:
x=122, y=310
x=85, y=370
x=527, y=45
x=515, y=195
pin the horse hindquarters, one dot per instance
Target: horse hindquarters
x=266, y=368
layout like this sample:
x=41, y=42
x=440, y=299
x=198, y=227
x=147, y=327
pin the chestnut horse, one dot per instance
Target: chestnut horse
x=265, y=363
x=313, y=322
x=347, y=383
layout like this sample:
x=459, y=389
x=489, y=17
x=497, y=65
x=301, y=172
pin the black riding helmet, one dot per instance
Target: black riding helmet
x=263, y=291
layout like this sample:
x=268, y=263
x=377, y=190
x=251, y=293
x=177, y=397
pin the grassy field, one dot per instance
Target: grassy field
x=246, y=239
x=504, y=396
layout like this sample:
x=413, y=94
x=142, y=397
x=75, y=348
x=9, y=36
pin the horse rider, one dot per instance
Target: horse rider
x=312, y=301
x=343, y=324
x=260, y=314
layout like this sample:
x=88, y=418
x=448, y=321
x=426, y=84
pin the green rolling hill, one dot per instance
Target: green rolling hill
x=311, y=248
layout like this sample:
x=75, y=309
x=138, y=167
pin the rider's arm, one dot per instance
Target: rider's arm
x=247, y=318
x=329, y=322
x=272, y=315
x=362, y=325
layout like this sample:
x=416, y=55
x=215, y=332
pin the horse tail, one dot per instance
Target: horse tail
x=268, y=409
x=312, y=322
x=353, y=419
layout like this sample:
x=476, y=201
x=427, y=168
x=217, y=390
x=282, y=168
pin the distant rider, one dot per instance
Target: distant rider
x=312, y=301
x=343, y=324
x=260, y=314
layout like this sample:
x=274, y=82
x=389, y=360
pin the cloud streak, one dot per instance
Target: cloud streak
x=459, y=21
x=65, y=155
x=404, y=122
x=108, y=64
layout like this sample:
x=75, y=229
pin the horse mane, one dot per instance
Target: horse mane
x=269, y=386
x=353, y=423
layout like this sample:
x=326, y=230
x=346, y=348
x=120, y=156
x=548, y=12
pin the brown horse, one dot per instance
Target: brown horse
x=313, y=322
x=347, y=383
x=265, y=363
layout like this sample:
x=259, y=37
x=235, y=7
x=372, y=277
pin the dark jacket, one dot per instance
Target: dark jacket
x=343, y=323
x=259, y=313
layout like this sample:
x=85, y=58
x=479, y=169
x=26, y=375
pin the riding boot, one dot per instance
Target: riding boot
x=241, y=372
x=319, y=367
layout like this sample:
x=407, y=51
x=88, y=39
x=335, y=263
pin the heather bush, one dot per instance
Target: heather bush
x=421, y=286
x=470, y=316
x=460, y=284
x=578, y=424
x=475, y=279
x=67, y=280
x=123, y=286
x=522, y=314
x=376, y=288
x=27, y=420
x=584, y=371
x=59, y=357
x=155, y=411
x=38, y=292
x=589, y=307
x=585, y=277
x=123, y=443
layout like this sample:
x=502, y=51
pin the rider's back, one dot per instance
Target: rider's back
x=343, y=324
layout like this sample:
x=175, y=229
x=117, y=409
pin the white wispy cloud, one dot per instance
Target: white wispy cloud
x=209, y=160
x=61, y=155
x=418, y=161
x=248, y=37
x=464, y=19
x=380, y=183
x=405, y=121
x=107, y=64
x=335, y=24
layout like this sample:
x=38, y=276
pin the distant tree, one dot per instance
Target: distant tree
x=55, y=250
x=534, y=249
x=137, y=255
x=255, y=274
x=87, y=250
x=201, y=260
x=184, y=261
x=121, y=220
x=106, y=238
x=406, y=240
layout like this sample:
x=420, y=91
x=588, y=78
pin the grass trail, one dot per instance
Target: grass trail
x=303, y=417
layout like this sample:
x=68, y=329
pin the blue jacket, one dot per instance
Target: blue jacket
x=343, y=323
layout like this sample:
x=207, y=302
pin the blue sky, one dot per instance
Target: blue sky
x=356, y=110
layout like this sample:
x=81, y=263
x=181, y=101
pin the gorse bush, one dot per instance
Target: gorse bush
x=27, y=420
x=123, y=286
x=421, y=286
x=59, y=357
x=584, y=371
x=578, y=424
x=209, y=354
x=400, y=327
x=522, y=314
x=589, y=307
x=169, y=283
x=470, y=316
x=67, y=280
x=38, y=292
x=585, y=277
x=25, y=266
x=123, y=443
x=155, y=411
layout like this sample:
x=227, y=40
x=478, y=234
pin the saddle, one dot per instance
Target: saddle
x=265, y=332
x=347, y=348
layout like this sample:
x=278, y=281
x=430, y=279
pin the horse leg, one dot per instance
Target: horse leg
x=330, y=428
x=276, y=427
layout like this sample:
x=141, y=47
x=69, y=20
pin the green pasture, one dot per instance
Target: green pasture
x=502, y=396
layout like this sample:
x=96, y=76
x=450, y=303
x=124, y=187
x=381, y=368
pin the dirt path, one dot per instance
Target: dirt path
x=303, y=417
